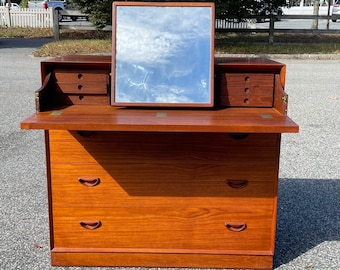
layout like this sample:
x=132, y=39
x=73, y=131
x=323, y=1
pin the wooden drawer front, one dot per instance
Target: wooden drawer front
x=163, y=148
x=246, y=90
x=166, y=138
x=213, y=139
x=132, y=185
x=250, y=79
x=251, y=90
x=114, y=153
x=70, y=99
x=247, y=101
x=81, y=81
x=159, y=229
x=81, y=76
x=82, y=88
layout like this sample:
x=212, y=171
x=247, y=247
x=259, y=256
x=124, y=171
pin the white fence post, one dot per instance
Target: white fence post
x=5, y=18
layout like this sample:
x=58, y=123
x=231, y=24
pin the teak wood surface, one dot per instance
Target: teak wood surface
x=162, y=187
x=109, y=118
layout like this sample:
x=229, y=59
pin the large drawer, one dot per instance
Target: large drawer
x=158, y=149
x=92, y=185
x=219, y=230
x=181, y=138
x=103, y=153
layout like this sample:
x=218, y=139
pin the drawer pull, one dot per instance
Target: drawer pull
x=80, y=87
x=237, y=184
x=86, y=134
x=236, y=226
x=89, y=182
x=90, y=224
x=80, y=76
x=239, y=136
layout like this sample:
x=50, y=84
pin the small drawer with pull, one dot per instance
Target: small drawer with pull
x=245, y=90
x=81, y=81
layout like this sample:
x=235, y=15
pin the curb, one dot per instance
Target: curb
x=287, y=56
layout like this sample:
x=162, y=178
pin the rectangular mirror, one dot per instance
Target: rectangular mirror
x=163, y=54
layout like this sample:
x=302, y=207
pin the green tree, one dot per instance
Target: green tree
x=100, y=11
x=243, y=8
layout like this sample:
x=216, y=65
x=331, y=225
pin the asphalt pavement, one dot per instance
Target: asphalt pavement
x=308, y=222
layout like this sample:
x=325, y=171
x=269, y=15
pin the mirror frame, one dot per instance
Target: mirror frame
x=184, y=74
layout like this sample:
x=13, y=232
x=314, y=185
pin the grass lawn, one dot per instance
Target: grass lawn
x=90, y=42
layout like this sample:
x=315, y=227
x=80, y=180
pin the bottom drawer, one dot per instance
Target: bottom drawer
x=247, y=101
x=85, y=99
x=223, y=231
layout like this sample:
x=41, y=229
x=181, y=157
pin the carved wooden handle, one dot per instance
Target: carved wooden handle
x=89, y=182
x=236, y=226
x=237, y=184
x=90, y=224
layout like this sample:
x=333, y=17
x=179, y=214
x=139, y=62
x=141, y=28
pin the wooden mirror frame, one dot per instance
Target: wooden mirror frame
x=165, y=56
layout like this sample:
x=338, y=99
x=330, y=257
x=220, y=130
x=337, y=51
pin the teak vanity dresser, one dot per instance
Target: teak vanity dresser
x=155, y=187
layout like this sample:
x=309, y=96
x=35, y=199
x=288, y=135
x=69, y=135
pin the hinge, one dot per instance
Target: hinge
x=285, y=98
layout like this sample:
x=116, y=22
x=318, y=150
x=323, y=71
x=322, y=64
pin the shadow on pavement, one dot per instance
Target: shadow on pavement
x=308, y=215
x=23, y=42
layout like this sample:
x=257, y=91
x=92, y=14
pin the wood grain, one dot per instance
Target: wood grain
x=108, y=118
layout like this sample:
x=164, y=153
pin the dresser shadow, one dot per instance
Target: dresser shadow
x=308, y=215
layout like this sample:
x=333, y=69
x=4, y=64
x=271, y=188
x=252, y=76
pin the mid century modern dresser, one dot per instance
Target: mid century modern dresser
x=159, y=187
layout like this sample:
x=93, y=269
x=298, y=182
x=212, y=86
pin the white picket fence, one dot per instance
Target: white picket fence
x=25, y=17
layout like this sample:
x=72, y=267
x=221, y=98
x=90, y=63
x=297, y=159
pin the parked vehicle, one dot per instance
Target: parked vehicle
x=336, y=11
x=55, y=4
x=13, y=5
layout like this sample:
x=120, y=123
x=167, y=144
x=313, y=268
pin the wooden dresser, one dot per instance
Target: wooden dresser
x=162, y=187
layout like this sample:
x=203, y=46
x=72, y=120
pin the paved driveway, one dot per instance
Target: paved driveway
x=308, y=231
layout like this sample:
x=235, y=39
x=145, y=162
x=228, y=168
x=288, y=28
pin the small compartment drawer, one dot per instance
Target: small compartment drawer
x=81, y=82
x=81, y=76
x=250, y=90
x=247, y=79
x=82, y=88
x=220, y=230
x=247, y=101
x=69, y=99
x=246, y=90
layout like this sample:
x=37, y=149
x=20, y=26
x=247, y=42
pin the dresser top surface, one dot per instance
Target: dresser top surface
x=110, y=118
